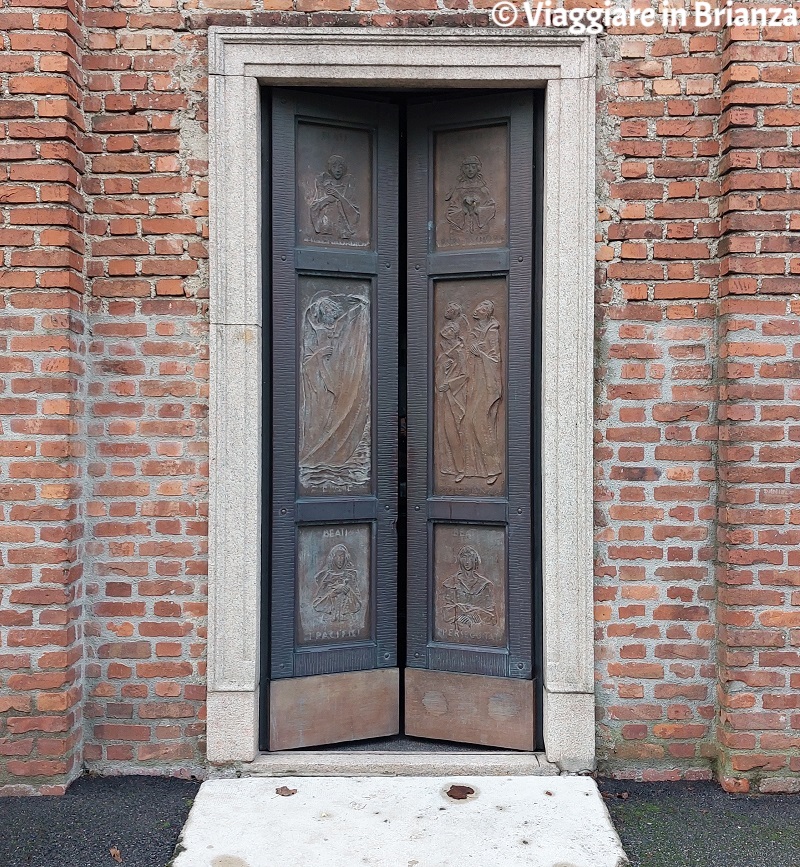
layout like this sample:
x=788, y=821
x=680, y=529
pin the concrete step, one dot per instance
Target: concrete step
x=537, y=821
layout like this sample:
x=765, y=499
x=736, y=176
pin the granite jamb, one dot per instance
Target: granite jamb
x=243, y=59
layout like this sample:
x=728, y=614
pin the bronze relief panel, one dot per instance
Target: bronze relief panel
x=471, y=187
x=334, y=384
x=333, y=576
x=470, y=339
x=469, y=585
x=334, y=185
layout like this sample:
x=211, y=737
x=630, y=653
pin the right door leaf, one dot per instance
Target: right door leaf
x=470, y=266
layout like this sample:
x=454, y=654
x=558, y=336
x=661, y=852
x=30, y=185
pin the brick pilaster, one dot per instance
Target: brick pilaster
x=41, y=406
x=759, y=503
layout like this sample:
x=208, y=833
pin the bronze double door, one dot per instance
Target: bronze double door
x=346, y=238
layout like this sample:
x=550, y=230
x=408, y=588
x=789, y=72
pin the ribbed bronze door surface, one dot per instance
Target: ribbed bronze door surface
x=333, y=374
x=469, y=277
x=333, y=618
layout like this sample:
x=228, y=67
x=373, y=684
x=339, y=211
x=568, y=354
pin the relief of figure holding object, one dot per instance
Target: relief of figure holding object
x=469, y=384
x=334, y=406
x=451, y=379
x=336, y=596
x=468, y=596
x=484, y=393
x=333, y=209
x=471, y=206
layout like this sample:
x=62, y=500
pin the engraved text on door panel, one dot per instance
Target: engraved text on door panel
x=334, y=385
x=334, y=185
x=469, y=585
x=333, y=576
x=471, y=188
x=470, y=325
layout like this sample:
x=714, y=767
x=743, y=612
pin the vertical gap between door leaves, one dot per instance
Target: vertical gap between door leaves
x=402, y=464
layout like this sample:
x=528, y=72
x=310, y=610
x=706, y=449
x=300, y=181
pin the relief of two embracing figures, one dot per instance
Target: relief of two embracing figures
x=469, y=384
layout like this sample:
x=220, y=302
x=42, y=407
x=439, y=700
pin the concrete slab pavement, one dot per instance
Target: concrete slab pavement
x=399, y=822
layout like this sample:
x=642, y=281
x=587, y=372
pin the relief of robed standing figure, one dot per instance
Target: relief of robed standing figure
x=451, y=381
x=469, y=384
x=484, y=392
x=334, y=406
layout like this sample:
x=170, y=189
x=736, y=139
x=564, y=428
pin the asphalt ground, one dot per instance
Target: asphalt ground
x=660, y=824
x=700, y=825
x=139, y=817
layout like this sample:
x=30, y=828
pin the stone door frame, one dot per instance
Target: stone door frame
x=240, y=61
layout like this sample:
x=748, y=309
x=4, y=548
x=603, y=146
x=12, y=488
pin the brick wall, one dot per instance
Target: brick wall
x=657, y=435
x=698, y=327
x=758, y=569
x=103, y=220
x=759, y=531
x=146, y=512
x=147, y=405
x=656, y=527
x=42, y=397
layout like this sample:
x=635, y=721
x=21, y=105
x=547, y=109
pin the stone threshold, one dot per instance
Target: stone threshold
x=399, y=764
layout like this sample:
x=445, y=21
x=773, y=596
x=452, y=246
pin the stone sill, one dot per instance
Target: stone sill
x=399, y=764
